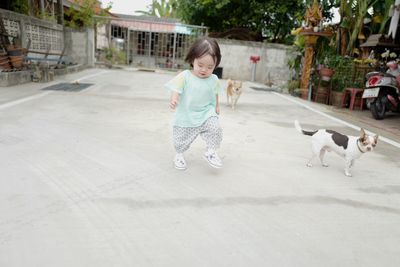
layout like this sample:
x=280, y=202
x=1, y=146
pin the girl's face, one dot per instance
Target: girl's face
x=203, y=66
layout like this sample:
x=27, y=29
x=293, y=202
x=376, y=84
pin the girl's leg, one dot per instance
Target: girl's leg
x=183, y=137
x=211, y=133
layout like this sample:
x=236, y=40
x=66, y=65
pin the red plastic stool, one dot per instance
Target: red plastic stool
x=353, y=92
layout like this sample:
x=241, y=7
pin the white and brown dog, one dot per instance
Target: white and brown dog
x=349, y=147
x=233, y=92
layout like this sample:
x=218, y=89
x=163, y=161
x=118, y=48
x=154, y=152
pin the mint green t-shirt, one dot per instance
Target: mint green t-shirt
x=197, y=98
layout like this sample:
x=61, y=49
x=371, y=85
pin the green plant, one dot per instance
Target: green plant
x=85, y=14
x=292, y=85
x=294, y=65
x=356, y=82
x=334, y=61
x=323, y=47
x=297, y=50
x=20, y=6
x=161, y=9
x=338, y=83
x=46, y=16
x=347, y=75
x=337, y=61
x=114, y=55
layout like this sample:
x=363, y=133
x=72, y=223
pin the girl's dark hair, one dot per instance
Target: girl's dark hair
x=201, y=47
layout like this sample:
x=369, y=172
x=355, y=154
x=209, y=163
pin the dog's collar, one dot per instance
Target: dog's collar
x=358, y=146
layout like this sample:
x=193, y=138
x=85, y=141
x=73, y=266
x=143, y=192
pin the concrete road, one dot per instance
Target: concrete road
x=87, y=180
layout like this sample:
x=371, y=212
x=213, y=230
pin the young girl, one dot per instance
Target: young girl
x=194, y=95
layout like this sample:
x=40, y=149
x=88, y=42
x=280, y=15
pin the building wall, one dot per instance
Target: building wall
x=272, y=66
x=101, y=38
x=80, y=46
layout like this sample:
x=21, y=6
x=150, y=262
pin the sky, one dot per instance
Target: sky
x=127, y=7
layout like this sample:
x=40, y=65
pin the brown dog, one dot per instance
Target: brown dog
x=233, y=92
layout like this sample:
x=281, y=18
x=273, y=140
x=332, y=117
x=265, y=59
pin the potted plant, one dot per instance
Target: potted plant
x=324, y=52
x=326, y=73
x=343, y=78
x=338, y=85
x=330, y=63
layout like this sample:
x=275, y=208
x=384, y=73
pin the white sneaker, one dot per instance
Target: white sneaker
x=179, y=162
x=213, y=159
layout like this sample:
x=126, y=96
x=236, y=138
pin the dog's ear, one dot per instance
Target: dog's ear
x=240, y=83
x=376, y=138
x=229, y=82
x=362, y=133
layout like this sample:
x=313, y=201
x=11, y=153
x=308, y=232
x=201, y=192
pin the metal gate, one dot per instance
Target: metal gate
x=154, y=42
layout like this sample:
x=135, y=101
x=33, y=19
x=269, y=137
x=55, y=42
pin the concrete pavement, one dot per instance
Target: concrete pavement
x=87, y=180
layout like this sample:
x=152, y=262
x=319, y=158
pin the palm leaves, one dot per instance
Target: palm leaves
x=161, y=9
x=385, y=7
x=361, y=10
x=352, y=14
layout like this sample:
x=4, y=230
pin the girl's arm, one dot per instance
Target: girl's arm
x=217, y=105
x=174, y=100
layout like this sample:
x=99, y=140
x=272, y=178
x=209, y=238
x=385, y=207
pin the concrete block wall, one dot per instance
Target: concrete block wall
x=41, y=33
x=79, y=44
x=236, y=62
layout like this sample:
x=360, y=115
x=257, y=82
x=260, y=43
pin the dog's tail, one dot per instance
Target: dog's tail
x=300, y=130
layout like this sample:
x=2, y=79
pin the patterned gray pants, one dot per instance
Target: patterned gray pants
x=210, y=131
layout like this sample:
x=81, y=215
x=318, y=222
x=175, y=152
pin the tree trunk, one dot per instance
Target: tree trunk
x=42, y=8
x=60, y=12
x=344, y=41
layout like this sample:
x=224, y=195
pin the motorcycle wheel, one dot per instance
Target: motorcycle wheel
x=378, y=109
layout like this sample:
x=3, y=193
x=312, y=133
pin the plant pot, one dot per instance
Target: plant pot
x=3, y=55
x=3, y=59
x=336, y=98
x=326, y=74
x=15, y=52
x=16, y=61
x=320, y=95
x=5, y=66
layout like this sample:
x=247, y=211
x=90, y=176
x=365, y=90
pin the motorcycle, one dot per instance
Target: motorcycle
x=382, y=91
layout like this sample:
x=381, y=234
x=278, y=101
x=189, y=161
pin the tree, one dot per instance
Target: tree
x=83, y=15
x=273, y=18
x=279, y=18
x=20, y=6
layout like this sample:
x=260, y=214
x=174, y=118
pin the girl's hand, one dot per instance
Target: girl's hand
x=174, y=101
x=217, y=106
x=217, y=109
